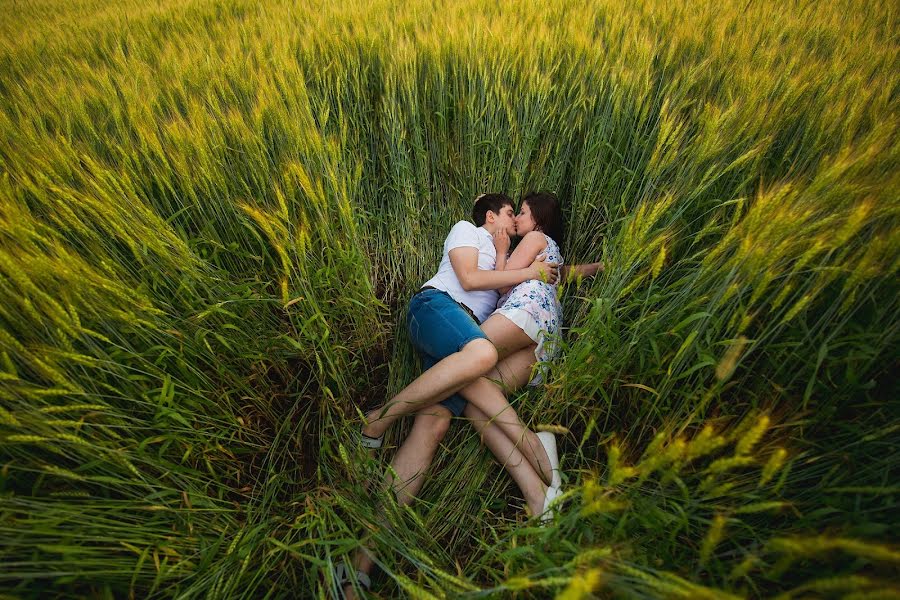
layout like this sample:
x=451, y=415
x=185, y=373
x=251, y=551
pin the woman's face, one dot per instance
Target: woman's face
x=524, y=220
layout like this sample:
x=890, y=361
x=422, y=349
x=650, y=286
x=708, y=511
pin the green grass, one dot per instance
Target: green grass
x=213, y=215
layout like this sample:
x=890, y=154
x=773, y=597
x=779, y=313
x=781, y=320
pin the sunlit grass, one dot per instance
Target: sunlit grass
x=213, y=215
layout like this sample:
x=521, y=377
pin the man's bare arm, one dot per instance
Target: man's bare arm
x=465, y=264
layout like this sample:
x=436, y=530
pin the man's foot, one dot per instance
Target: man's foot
x=368, y=441
x=342, y=575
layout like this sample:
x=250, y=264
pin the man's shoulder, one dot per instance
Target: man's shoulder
x=463, y=227
x=463, y=233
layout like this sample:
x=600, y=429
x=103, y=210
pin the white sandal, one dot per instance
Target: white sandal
x=342, y=577
x=548, y=441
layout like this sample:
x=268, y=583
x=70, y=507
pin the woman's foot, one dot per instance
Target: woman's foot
x=548, y=441
x=542, y=505
x=550, y=508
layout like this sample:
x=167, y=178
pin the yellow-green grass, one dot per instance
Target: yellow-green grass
x=213, y=214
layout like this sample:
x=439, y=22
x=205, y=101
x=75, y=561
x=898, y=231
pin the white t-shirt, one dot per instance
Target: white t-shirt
x=465, y=234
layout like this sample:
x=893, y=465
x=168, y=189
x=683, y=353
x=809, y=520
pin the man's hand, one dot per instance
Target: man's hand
x=543, y=270
x=501, y=242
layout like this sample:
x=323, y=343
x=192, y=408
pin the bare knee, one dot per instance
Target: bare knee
x=481, y=355
x=432, y=424
x=437, y=427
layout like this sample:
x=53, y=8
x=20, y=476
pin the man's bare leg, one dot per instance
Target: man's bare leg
x=442, y=380
x=413, y=458
x=451, y=374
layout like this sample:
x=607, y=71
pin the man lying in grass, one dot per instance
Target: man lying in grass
x=443, y=322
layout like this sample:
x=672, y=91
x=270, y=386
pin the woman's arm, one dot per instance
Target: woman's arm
x=570, y=272
x=532, y=245
x=528, y=249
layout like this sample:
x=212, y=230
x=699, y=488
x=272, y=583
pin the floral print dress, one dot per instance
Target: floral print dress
x=534, y=306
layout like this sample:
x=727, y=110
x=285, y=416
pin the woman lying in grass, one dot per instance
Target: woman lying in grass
x=524, y=326
x=527, y=320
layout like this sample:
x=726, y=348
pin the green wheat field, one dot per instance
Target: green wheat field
x=214, y=212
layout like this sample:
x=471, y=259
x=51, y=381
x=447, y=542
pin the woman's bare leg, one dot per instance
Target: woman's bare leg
x=513, y=460
x=490, y=399
x=517, y=349
x=507, y=337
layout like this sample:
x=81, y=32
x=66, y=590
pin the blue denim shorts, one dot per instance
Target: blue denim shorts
x=438, y=327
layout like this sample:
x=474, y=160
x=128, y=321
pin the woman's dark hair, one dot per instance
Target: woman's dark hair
x=547, y=214
x=489, y=202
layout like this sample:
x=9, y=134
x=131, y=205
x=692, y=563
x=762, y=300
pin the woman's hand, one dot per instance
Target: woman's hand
x=501, y=242
x=573, y=272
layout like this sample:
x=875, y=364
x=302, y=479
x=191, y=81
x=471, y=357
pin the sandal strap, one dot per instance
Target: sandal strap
x=363, y=579
x=370, y=442
x=342, y=574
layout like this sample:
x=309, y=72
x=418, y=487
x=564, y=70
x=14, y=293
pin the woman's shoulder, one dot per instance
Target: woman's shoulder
x=554, y=248
x=535, y=238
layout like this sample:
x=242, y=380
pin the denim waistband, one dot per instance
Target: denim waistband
x=468, y=310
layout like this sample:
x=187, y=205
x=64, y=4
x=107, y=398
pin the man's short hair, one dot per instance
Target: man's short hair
x=489, y=202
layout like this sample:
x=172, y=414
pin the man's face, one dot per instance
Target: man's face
x=506, y=220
